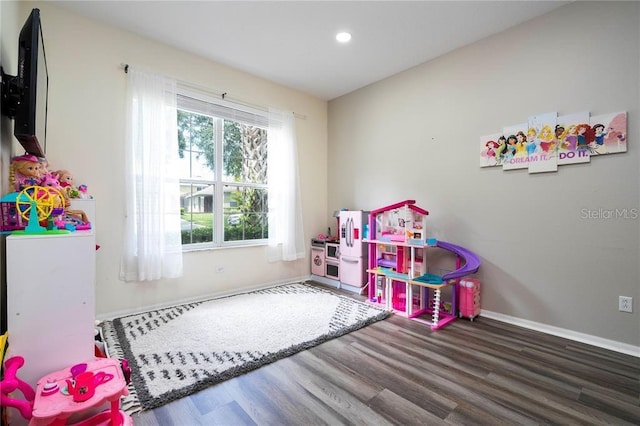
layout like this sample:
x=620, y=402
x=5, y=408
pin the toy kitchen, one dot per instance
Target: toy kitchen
x=325, y=260
x=341, y=263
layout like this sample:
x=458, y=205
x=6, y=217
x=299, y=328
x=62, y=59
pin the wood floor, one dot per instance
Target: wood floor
x=398, y=371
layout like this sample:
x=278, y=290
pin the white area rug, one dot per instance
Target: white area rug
x=174, y=352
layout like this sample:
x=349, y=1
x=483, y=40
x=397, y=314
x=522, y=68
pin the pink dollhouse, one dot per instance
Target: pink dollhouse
x=397, y=271
x=10, y=218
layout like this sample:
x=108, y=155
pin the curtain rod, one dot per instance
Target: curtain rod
x=223, y=95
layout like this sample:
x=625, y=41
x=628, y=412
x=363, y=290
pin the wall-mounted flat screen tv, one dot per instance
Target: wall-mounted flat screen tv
x=25, y=95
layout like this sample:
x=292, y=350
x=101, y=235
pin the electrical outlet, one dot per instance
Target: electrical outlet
x=625, y=304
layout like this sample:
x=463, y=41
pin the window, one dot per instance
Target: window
x=223, y=154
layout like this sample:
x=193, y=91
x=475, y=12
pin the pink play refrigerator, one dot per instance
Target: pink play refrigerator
x=352, y=249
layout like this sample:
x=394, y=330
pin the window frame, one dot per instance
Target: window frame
x=218, y=183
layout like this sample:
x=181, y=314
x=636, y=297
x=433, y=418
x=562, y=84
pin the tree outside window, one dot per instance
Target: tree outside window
x=221, y=205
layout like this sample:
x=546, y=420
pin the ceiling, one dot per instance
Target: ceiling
x=293, y=42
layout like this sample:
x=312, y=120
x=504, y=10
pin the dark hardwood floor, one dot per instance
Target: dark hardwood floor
x=398, y=371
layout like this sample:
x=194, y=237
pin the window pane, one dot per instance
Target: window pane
x=196, y=212
x=245, y=213
x=245, y=153
x=196, y=145
x=211, y=130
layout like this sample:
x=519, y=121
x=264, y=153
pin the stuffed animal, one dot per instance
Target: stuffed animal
x=50, y=179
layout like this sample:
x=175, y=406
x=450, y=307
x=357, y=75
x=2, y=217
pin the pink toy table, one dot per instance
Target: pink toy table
x=56, y=408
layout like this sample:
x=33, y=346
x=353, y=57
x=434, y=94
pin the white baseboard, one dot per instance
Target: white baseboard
x=338, y=284
x=325, y=281
x=565, y=333
x=532, y=325
x=139, y=310
x=358, y=290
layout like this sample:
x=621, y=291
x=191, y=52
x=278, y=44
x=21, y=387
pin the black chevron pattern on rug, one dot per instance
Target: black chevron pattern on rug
x=153, y=319
x=165, y=365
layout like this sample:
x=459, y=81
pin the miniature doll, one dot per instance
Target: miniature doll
x=66, y=182
x=83, y=192
x=44, y=166
x=65, y=177
x=72, y=216
x=24, y=171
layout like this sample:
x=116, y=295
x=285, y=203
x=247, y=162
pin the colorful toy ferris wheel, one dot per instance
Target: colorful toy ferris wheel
x=38, y=203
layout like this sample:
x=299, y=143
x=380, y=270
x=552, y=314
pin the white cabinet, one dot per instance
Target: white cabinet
x=50, y=300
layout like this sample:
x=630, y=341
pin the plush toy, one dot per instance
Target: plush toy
x=50, y=179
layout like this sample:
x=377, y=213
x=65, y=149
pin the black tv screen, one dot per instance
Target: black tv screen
x=25, y=96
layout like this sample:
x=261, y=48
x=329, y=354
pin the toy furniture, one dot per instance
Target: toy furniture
x=54, y=407
x=353, y=252
x=11, y=383
x=10, y=218
x=398, y=277
x=67, y=392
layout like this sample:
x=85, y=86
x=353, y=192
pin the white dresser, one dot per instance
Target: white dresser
x=51, y=299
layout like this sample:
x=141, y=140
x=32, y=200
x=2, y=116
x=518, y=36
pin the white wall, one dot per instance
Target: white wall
x=86, y=136
x=416, y=136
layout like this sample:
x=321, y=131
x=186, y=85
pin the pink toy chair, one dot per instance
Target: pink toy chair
x=10, y=383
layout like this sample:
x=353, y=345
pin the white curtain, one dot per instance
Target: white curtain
x=286, y=238
x=152, y=248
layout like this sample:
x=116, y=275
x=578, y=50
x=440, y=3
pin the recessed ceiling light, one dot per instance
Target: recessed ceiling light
x=343, y=37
